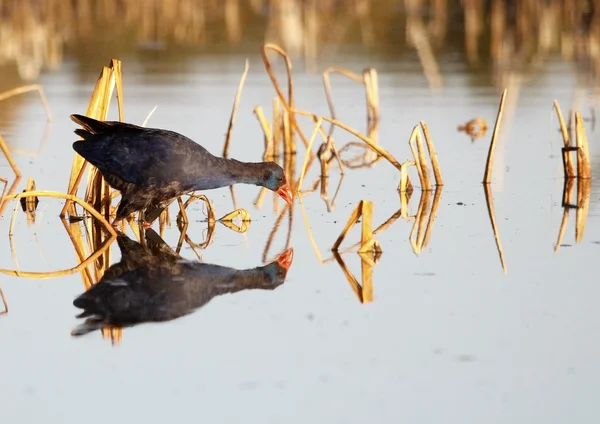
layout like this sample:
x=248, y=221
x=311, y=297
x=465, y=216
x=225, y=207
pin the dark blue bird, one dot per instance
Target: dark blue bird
x=152, y=283
x=151, y=167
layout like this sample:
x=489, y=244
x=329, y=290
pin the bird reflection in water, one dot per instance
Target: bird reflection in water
x=152, y=283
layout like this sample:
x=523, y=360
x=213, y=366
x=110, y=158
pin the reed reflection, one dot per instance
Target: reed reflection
x=152, y=283
x=4, y=303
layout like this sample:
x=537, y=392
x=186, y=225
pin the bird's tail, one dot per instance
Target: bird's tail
x=90, y=125
x=93, y=126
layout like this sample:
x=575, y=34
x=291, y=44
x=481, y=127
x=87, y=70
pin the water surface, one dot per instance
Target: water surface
x=448, y=335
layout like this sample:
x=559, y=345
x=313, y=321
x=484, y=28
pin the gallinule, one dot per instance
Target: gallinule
x=152, y=283
x=151, y=167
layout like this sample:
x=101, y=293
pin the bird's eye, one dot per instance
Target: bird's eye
x=280, y=179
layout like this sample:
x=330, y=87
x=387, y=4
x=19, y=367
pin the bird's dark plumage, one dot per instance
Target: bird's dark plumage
x=151, y=167
x=152, y=283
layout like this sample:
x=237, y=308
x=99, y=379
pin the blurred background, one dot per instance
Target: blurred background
x=494, y=37
x=451, y=334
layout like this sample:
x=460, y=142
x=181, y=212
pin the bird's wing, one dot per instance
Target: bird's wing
x=144, y=157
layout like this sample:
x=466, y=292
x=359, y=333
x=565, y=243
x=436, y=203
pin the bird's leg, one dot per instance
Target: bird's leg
x=142, y=219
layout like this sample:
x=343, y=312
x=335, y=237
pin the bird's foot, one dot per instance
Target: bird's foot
x=146, y=225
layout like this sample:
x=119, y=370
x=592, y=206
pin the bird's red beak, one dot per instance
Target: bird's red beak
x=285, y=259
x=285, y=191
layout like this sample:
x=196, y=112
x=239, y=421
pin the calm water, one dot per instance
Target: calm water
x=448, y=337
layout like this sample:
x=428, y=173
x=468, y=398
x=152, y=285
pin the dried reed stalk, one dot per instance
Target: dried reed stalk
x=425, y=200
x=236, y=102
x=58, y=195
x=327, y=147
x=490, y=159
x=566, y=204
x=432, y=215
x=183, y=227
x=327, y=84
x=584, y=186
x=364, y=291
x=9, y=158
x=309, y=231
x=268, y=133
x=288, y=68
x=372, y=95
x=584, y=169
x=360, y=161
x=355, y=133
x=404, y=201
x=372, y=90
x=98, y=192
x=290, y=211
x=278, y=130
x=182, y=216
x=490, y=205
x=289, y=104
x=113, y=333
x=244, y=215
x=27, y=89
x=368, y=243
x=404, y=178
x=29, y=204
x=110, y=78
x=569, y=168
x=9, y=192
x=76, y=237
x=182, y=223
x=414, y=241
x=432, y=155
x=5, y=181
x=5, y=311
x=308, y=150
x=324, y=183
x=149, y=116
x=311, y=237
x=289, y=147
x=372, y=87
x=419, y=157
x=53, y=274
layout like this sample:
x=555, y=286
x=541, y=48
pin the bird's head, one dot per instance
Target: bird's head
x=274, y=179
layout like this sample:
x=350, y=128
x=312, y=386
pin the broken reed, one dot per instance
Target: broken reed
x=584, y=168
